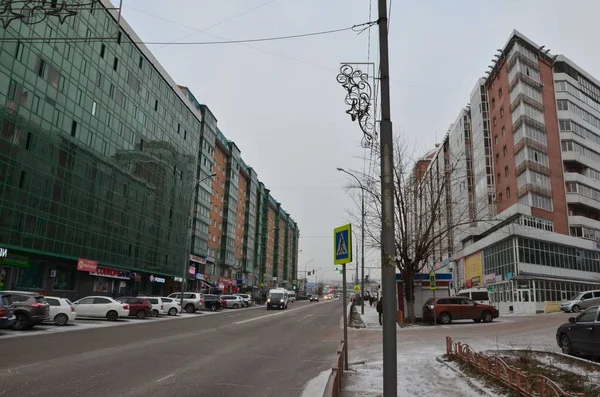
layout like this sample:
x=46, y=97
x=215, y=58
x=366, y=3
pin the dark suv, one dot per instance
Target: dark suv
x=30, y=308
x=139, y=306
x=212, y=302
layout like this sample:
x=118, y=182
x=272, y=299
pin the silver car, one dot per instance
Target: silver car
x=192, y=301
x=582, y=300
x=246, y=298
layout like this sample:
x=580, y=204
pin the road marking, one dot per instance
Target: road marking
x=269, y=315
x=165, y=378
x=304, y=318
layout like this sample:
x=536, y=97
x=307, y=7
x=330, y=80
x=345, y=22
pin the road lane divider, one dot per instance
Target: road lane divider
x=270, y=315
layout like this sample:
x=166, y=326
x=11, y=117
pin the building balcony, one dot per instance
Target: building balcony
x=526, y=141
x=525, y=79
x=534, y=188
x=517, y=55
x=526, y=99
x=523, y=119
x=580, y=199
x=532, y=165
x=578, y=220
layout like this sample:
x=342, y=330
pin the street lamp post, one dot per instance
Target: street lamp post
x=186, y=260
x=362, y=239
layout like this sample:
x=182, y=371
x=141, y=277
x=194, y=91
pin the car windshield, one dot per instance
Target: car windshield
x=577, y=297
x=276, y=295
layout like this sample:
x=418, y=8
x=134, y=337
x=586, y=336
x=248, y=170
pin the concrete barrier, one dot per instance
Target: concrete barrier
x=551, y=307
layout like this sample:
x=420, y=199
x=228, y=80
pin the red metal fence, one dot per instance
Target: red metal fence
x=525, y=385
x=334, y=383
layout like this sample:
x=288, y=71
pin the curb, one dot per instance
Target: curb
x=463, y=376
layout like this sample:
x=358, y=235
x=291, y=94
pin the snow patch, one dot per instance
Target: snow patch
x=316, y=386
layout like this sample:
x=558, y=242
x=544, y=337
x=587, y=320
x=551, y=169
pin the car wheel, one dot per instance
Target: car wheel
x=445, y=318
x=61, y=319
x=565, y=344
x=189, y=308
x=22, y=322
x=235, y=306
x=487, y=317
x=155, y=313
x=141, y=314
x=172, y=311
x=268, y=308
x=112, y=315
x=576, y=309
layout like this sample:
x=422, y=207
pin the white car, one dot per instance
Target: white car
x=232, y=301
x=246, y=298
x=62, y=310
x=101, y=307
x=158, y=307
x=171, y=306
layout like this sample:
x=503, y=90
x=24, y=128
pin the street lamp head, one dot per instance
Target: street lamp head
x=213, y=175
x=340, y=169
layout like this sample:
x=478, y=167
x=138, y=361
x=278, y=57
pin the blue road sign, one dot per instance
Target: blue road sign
x=342, y=248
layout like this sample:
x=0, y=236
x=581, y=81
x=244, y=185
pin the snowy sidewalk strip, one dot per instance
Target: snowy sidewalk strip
x=419, y=374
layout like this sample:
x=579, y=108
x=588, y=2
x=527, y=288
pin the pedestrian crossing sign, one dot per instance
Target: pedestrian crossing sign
x=342, y=248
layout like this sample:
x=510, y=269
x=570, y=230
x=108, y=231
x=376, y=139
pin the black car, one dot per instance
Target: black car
x=7, y=314
x=212, y=302
x=581, y=335
x=314, y=298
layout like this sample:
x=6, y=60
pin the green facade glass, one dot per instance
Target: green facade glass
x=97, y=148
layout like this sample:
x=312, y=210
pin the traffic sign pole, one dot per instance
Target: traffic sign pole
x=342, y=254
x=345, y=303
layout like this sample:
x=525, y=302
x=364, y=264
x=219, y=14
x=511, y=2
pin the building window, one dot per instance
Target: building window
x=496, y=139
x=500, y=93
x=503, y=131
x=498, y=178
x=116, y=63
x=73, y=128
x=94, y=108
x=495, y=122
x=32, y=277
x=504, y=150
x=65, y=278
x=493, y=102
x=500, y=197
x=102, y=50
x=507, y=192
x=501, y=112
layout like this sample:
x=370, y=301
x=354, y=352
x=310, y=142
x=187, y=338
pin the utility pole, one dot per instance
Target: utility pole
x=388, y=271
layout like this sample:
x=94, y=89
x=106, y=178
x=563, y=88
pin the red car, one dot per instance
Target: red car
x=138, y=307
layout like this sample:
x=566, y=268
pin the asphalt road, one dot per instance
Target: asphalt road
x=238, y=353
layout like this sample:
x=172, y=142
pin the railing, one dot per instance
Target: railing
x=525, y=385
x=334, y=383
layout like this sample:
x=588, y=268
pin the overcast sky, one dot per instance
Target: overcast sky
x=280, y=102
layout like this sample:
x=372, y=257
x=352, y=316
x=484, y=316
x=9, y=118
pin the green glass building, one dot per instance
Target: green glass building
x=98, y=150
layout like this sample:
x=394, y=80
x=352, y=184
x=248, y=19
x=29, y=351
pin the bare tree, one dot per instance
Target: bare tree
x=434, y=208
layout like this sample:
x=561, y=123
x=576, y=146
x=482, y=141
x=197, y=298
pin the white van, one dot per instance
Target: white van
x=292, y=296
x=277, y=299
x=479, y=295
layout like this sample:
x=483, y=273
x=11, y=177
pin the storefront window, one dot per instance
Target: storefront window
x=32, y=277
x=65, y=278
x=102, y=284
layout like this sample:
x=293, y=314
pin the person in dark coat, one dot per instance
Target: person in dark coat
x=380, y=310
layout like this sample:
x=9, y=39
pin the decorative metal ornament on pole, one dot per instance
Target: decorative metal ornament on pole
x=358, y=97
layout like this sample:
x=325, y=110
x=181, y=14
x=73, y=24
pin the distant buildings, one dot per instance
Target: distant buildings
x=528, y=223
x=100, y=151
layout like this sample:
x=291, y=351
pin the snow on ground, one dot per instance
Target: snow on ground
x=371, y=317
x=316, y=386
x=419, y=374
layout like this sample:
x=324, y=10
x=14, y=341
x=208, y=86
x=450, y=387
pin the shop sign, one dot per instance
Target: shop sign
x=475, y=281
x=177, y=279
x=112, y=273
x=210, y=259
x=192, y=270
x=198, y=259
x=11, y=259
x=490, y=278
x=157, y=279
x=225, y=281
x=87, y=265
x=199, y=276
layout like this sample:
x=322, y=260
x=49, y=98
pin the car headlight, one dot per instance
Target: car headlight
x=269, y=300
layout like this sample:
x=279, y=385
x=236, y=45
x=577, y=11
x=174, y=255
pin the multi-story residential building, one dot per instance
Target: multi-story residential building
x=544, y=125
x=103, y=158
x=98, y=146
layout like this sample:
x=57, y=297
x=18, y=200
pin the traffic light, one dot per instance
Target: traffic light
x=294, y=287
x=309, y=272
x=337, y=270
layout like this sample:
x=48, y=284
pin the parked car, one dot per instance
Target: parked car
x=139, y=306
x=581, y=335
x=580, y=301
x=7, y=314
x=291, y=296
x=451, y=308
x=62, y=310
x=158, y=307
x=192, y=301
x=232, y=301
x=213, y=302
x=247, y=299
x=171, y=306
x=101, y=307
x=314, y=298
x=30, y=308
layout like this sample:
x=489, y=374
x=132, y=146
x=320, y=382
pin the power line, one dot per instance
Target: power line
x=223, y=21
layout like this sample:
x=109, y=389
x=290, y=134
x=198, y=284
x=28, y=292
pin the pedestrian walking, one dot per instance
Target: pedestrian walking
x=380, y=310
